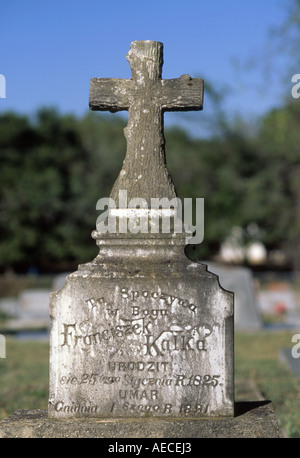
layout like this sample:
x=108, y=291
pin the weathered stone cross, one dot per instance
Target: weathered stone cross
x=146, y=97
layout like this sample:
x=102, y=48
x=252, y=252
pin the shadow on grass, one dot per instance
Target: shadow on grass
x=243, y=407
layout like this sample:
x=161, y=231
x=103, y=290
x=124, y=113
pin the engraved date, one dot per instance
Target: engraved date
x=196, y=380
x=89, y=379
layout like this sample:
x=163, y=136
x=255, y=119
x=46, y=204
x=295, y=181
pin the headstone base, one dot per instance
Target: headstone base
x=255, y=419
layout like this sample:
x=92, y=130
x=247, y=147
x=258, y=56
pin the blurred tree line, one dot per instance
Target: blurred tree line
x=54, y=168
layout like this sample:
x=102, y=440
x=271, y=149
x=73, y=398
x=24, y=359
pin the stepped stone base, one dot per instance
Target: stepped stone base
x=254, y=419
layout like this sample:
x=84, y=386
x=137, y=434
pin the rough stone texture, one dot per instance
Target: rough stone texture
x=138, y=337
x=252, y=420
x=146, y=97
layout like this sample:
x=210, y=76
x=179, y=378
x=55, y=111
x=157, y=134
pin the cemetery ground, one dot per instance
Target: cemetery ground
x=259, y=374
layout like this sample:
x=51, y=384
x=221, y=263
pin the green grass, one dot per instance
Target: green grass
x=256, y=358
x=24, y=375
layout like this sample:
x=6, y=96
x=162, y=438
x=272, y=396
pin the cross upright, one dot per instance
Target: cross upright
x=146, y=96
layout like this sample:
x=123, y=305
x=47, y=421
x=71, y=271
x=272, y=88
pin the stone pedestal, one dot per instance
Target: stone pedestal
x=252, y=420
x=141, y=332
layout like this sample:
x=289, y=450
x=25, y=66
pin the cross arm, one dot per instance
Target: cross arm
x=182, y=94
x=109, y=94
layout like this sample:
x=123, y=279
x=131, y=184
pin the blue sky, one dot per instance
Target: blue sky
x=49, y=50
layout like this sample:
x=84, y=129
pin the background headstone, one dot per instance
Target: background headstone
x=286, y=357
x=276, y=300
x=26, y=314
x=34, y=303
x=10, y=306
x=59, y=281
x=240, y=281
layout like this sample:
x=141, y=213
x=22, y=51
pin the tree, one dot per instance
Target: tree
x=278, y=144
x=51, y=177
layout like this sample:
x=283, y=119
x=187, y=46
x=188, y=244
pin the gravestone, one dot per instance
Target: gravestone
x=278, y=299
x=10, y=307
x=29, y=312
x=287, y=357
x=30, y=304
x=59, y=281
x=141, y=331
x=239, y=280
x=34, y=303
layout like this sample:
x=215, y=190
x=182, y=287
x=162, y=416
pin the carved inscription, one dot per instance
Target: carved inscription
x=139, y=328
x=136, y=383
x=165, y=409
x=149, y=366
x=132, y=390
x=167, y=299
x=143, y=324
x=175, y=338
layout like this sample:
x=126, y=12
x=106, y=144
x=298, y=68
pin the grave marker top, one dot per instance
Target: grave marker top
x=146, y=97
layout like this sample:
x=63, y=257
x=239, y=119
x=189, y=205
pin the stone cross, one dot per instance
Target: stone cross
x=146, y=97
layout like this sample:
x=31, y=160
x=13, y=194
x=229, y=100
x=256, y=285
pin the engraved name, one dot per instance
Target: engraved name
x=189, y=339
